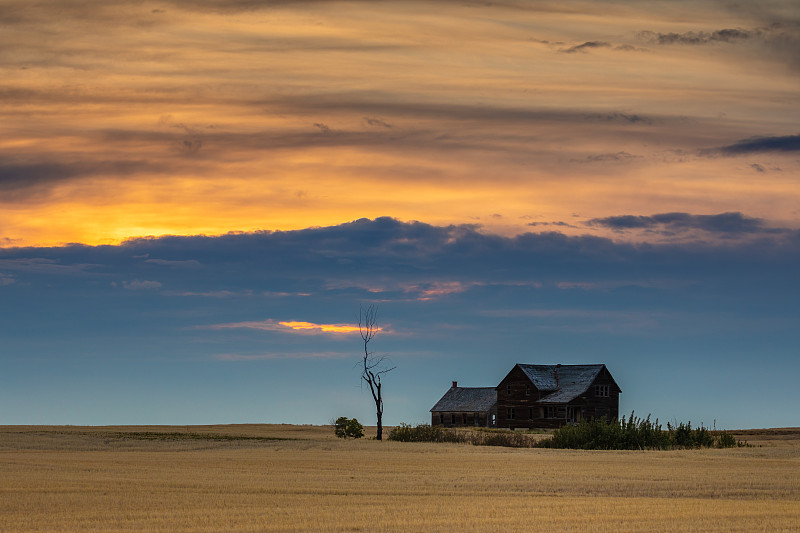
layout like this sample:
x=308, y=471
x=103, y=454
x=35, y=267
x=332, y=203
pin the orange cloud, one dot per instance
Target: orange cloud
x=382, y=112
x=290, y=326
x=324, y=328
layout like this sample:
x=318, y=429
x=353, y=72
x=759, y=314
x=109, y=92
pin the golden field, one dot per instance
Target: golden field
x=302, y=478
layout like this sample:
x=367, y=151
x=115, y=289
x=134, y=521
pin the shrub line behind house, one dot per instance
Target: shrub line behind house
x=596, y=434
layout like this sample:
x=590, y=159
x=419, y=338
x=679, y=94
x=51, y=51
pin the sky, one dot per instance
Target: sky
x=198, y=196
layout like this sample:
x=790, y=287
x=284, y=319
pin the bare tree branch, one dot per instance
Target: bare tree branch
x=372, y=365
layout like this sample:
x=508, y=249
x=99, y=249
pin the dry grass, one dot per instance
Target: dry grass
x=167, y=479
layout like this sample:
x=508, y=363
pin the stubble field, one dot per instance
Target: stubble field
x=301, y=478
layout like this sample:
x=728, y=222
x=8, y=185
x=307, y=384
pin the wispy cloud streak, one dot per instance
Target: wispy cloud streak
x=290, y=326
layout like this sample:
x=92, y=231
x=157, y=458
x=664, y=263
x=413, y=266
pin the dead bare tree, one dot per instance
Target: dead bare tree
x=373, y=367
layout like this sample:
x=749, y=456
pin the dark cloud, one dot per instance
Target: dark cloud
x=387, y=251
x=726, y=223
x=629, y=48
x=26, y=175
x=376, y=104
x=50, y=264
x=190, y=263
x=618, y=156
x=377, y=122
x=559, y=223
x=779, y=40
x=23, y=174
x=237, y=6
x=786, y=143
x=621, y=117
x=190, y=146
x=441, y=132
x=691, y=37
x=586, y=46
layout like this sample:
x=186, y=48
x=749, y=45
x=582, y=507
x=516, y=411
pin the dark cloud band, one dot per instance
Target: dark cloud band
x=786, y=143
x=726, y=223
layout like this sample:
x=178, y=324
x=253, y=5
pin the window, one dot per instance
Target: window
x=510, y=413
x=527, y=390
x=530, y=413
x=464, y=418
x=508, y=388
x=601, y=390
x=550, y=412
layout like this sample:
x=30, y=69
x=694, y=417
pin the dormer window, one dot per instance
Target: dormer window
x=602, y=391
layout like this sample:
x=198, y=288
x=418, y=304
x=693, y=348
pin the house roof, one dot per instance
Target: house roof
x=572, y=381
x=471, y=399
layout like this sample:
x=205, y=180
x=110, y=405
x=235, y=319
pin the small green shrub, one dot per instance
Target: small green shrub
x=348, y=428
x=726, y=440
x=683, y=436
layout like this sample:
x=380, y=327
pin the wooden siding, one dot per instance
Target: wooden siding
x=516, y=396
x=599, y=406
x=518, y=407
x=462, y=419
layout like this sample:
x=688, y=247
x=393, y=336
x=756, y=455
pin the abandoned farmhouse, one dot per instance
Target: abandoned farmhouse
x=532, y=396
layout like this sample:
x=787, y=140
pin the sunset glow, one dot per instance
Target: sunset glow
x=181, y=118
x=291, y=326
x=325, y=328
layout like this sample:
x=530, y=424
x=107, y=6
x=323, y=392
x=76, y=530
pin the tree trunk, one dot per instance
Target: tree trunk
x=372, y=366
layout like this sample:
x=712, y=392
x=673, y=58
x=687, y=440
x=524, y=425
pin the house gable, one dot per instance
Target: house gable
x=552, y=395
x=519, y=382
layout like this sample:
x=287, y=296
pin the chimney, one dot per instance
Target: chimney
x=455, y=384
x=558, y=366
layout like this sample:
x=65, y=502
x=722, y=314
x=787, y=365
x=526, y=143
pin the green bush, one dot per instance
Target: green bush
x=726, y=440
x=509, y=439
x=421, y=433
x=683, y=436
x=428, y=433
x=631, y=434
x=348, y=428
x=636, y=434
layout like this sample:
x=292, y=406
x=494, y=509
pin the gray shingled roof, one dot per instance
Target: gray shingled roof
x=573, y=380
x=468, y=399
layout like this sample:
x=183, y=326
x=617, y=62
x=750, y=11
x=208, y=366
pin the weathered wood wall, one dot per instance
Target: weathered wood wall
x=517, y=407
x=462, y=419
